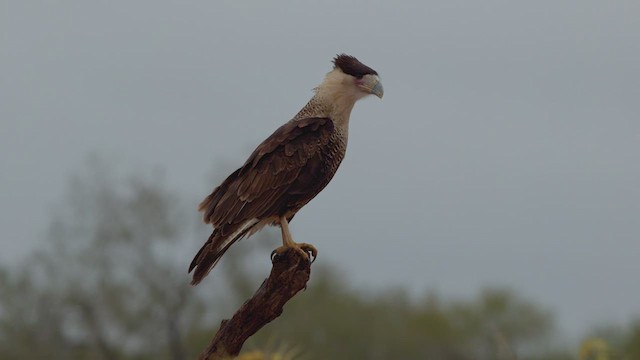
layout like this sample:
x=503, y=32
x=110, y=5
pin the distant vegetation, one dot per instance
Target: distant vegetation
x=111, y=283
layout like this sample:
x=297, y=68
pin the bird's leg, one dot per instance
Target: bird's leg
x=287, y=243
x=287, y=239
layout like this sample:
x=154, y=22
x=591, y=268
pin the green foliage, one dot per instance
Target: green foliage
x=331, y=320
x=632, y=341
x=102, y=286
x=594, y=349
x=111, y=283
x=613, y=342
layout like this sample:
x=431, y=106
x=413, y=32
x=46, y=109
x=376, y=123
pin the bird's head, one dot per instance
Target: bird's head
x=363, y=79
x=350, y=79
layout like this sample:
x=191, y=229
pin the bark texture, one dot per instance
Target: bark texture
x=289, y=275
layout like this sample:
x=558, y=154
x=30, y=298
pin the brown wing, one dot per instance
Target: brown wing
x=266, y=184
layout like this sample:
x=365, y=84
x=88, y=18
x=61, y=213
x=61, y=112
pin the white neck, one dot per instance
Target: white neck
x=334, y=99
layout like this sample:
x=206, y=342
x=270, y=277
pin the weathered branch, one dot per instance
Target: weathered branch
x=289, y=275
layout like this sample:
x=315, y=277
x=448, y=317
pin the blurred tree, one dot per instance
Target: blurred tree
x=110, y=283
x=632, y=341
x=594, y=349
x=106, y=285
x=329, y=321
x=614, y=341
x=500, y=324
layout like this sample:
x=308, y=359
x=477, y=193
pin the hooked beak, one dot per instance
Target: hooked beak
x=372, y=84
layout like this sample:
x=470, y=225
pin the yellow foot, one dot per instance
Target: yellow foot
x=307, y=249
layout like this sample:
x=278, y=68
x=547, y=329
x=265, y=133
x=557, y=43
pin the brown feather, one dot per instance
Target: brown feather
x=286, y=170
x=284, y=173
x=211, y=252
x=350, y=65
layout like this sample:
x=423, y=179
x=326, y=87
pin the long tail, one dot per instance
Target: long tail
x=212, y=250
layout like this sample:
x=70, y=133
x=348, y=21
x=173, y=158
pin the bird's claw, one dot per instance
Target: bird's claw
x=277, y=252
x=309, y=250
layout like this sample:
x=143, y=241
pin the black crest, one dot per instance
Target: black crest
x=350, y=65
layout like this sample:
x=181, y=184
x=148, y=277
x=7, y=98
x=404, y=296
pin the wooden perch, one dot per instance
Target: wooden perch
x=289, y=275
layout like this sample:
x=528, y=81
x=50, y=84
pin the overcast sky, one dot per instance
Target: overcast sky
x=505, y=152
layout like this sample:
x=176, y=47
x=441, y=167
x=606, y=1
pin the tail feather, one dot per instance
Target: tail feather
x=206, y=264
x=203, y=249
x=213, y=249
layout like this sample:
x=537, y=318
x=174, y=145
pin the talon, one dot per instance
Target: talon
x=310, y=250
x=279, y=251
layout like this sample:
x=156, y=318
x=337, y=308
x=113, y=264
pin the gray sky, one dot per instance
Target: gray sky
x=505, y=151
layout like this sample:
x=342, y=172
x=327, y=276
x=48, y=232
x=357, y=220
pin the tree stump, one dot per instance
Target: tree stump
x=289, y=275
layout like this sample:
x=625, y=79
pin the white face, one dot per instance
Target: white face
x=370, y=84
x=339, y=92
x=338, y=85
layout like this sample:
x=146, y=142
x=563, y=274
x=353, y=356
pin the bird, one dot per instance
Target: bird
x=288, y=169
